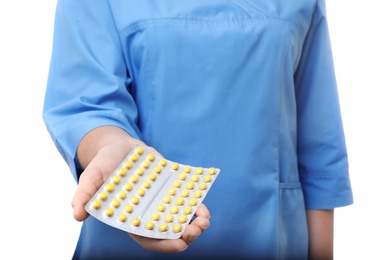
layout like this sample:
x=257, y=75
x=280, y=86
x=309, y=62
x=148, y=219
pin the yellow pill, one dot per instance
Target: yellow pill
x=202, y=186
x=134, y=200
x=212, y=171
x=176, y=228
x=160, y=207
x=128, y=186
x=152, y=177
x=145, y=164
x=198, y=194
x=151, y=157
x=163, y=227
x=190, y=185
x=166, y=199
x=136, y=222
x=116, y=179
x=179, y=201
x=122, y=217
x=177, y=184
x=121, y=194
x=109, y=212
x=182, y=176
x=96, y=204
x=109, y=187
x=134, y=157
x=199, y=171
x=194, y=178
x=174, y=166
x=139, y=171
x=168, y=218
x=184, y=193
x=115, y=203
x=102, y=196
x=172, y=191
x=134, y=178
x=192, y=202
x=122, y=172
x=157, y=169
x=128, y=208
x=155, y=216
x=162, y=163
x=187, y=210
x=187, y=169
x=182, y=219
x=128, y=164
x=139, y=150
x=174, y=209
x=146, y=184
x=149, y=225
x=207, y=178
x=141, y=192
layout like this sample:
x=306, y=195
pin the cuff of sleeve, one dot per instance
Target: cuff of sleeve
x=326, y=191
x=68, y=141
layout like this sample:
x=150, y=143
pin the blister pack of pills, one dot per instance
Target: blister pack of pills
x=150, y=196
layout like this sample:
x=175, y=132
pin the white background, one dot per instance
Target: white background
x=36, y=186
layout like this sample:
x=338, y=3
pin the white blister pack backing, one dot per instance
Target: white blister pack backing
x=150, y=196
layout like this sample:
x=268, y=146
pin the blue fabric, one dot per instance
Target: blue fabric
x=247, y=86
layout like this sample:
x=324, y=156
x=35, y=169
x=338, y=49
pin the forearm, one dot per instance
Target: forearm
x=320, y=225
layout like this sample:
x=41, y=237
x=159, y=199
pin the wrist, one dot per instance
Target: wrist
x=99, y=138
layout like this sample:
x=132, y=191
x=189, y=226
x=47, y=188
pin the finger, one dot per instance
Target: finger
x=98, y=170
x=92, y=178
x=201, y=222
x=202, y=211
x=84, y=192
x=161, y=245
x=89, y=183
x=198, y=225
x=202, y=219
x=191, y=233
x=195, y=229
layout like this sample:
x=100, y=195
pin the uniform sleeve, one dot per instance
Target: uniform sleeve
x=322, y=154
x=88, y=79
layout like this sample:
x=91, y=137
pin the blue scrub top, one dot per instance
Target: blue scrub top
x=247, y=86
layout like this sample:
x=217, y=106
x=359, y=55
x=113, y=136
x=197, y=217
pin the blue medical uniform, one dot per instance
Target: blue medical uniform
x=247, y=86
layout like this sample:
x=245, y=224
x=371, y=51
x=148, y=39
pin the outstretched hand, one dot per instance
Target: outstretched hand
x=100, y=152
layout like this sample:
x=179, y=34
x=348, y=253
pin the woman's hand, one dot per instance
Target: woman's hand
x=99, y=153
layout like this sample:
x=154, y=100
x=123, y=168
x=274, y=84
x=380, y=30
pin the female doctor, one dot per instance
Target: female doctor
x=243, y=85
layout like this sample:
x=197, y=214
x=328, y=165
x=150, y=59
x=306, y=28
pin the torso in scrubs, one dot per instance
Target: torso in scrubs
x=247, y=86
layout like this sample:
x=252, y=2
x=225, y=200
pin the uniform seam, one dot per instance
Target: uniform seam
x=280, y=20
x=290, y=185
x=304, y=174
x=117, y=31
x=281, y=186
x=141, y=25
